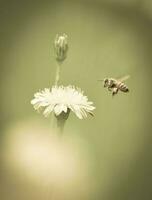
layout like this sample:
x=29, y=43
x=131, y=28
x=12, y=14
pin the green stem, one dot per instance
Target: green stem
x=61, y=119
x=57, y=76
x=60, y=125
x=57, y=79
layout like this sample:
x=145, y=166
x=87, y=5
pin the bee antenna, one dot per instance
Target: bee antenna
x=101, y=80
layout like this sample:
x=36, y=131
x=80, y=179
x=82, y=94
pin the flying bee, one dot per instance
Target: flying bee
x=114, y=85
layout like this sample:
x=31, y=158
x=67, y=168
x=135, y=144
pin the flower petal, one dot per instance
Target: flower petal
x=58, y=109
x=48, y=110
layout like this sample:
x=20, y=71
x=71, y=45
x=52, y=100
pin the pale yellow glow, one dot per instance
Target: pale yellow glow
x=45, y=158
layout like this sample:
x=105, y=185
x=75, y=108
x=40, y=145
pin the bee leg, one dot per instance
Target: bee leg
x=115, y=91
x=109, y=89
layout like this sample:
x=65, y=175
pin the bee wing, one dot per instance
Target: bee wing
x=124, y=78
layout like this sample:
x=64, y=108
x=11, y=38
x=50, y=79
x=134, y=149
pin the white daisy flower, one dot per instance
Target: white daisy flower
x=62, y=99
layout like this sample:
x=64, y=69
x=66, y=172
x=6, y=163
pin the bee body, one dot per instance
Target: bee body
x=115, y=85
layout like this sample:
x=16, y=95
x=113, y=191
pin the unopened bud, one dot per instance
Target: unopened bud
x=61, y=47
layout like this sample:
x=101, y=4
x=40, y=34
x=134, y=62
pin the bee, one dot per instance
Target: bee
x=115, y=85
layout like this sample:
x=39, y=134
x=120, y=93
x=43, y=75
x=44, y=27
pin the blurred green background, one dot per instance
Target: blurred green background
x=106, y=39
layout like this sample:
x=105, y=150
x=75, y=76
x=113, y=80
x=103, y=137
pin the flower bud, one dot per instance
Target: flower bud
x=61, y=47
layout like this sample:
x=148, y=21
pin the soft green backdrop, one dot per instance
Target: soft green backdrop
x=106, y=38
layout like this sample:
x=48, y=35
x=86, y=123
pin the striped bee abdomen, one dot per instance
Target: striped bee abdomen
x=123, y=87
